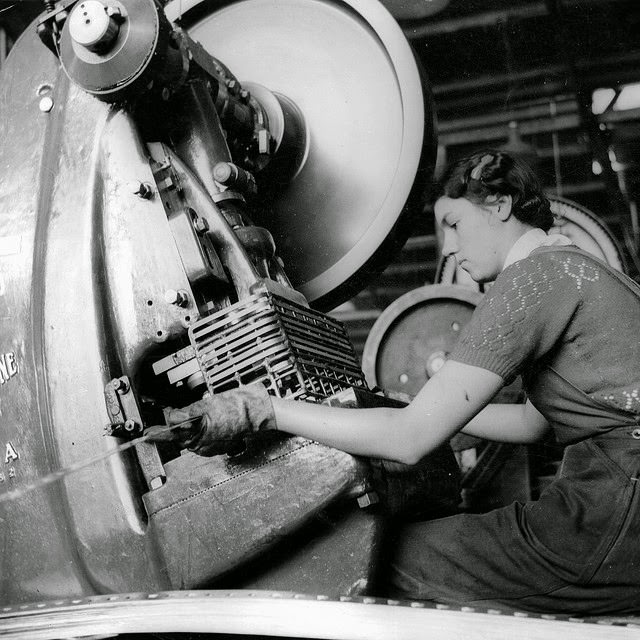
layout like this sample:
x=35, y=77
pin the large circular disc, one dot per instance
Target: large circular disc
x=414, y=335
x=130, y=54
x=351, y=72
x=578, y=223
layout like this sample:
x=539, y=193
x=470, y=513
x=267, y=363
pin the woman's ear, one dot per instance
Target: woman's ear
x=502, y=207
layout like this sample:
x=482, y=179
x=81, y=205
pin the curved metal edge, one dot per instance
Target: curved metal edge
x=74, y=65
x=330, y=289
x=416, y=165
x=404, y=223
x=399, y=307
x=607, y=241
x=282, y=614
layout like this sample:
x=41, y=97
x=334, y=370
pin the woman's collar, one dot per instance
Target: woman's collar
x=531, y=240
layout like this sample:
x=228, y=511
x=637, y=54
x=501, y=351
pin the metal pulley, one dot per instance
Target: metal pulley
x=116, y=49
x=95, y=26
x=583, y=227
x=410, y=342
x=369, y=128
x=414, y=335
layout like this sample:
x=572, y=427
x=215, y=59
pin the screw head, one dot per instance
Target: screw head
x=156, y=482
x=368, y=499
x=435, y=362
x=120, y=385
x=201, y=225
x=178, y=298
x=46, y=104
x=114, y=12
x=141, y=189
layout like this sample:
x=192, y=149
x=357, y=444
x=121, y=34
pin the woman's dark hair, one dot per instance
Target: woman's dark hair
x=495, y=173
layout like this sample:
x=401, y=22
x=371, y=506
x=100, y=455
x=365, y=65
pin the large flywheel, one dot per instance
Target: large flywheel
x=369, y=120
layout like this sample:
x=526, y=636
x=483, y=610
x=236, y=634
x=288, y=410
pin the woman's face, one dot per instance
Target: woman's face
x=472, y=233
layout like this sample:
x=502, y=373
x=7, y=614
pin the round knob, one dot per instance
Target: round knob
x=223, y=172
x=178, y=298
x=93, y=25
x=435, y=362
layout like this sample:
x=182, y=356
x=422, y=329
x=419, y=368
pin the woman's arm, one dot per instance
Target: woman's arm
x=446, y=403
x=518, y=423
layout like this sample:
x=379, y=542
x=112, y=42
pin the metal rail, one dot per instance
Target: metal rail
x=281, y=614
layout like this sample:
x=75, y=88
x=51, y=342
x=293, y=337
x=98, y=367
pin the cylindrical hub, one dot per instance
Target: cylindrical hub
x=119, y=50
x=93, y=25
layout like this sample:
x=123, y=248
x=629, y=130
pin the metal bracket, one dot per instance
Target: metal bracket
x=50, y=24
x=126, y=421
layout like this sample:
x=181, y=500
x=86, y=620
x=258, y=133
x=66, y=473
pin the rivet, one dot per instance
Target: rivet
x=156, y=483
x=46, y=104
x=120, y=385
x=201, y=225
x=140, y=189
x=114, y=12
x=178, y=298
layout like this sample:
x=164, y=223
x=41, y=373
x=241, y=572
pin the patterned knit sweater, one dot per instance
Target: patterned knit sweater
x=561, y=309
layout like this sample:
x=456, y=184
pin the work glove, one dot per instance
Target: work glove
x=217, y=424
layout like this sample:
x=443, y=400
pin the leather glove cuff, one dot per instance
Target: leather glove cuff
x=227, y=416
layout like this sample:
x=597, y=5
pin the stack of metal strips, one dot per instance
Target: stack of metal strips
x=296, y=352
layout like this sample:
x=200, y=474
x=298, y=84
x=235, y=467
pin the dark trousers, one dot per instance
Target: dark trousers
x=575, y=550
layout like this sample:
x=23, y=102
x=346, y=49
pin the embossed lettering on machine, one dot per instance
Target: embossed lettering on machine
x=8, y=367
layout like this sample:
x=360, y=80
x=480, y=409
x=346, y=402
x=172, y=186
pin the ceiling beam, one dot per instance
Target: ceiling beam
x=504, y=117
x=477, y=21
x=561, y=122
x=428, y=29
x=541, y=73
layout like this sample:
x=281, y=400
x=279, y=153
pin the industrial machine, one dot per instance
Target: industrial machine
x=185, y=190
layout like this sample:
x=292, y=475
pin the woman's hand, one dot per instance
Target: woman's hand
x=444, y=405
x=217, y=424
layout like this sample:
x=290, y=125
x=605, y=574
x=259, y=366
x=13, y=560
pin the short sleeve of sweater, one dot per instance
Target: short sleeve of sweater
x=526, y=312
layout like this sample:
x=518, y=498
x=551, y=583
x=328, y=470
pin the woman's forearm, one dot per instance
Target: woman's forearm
x=376, y=433
x=446, y=403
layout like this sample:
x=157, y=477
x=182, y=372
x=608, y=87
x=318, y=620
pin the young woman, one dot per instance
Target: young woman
x=567, y=323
